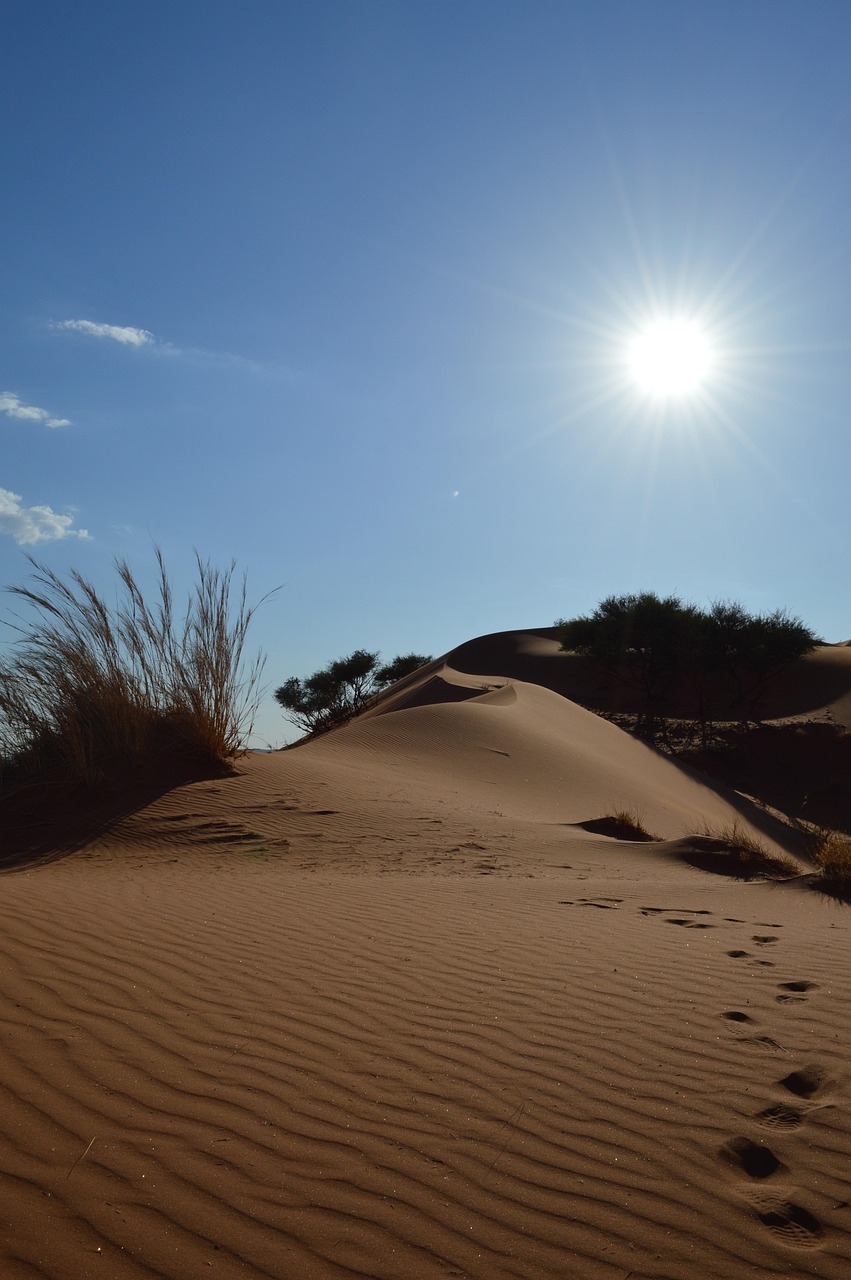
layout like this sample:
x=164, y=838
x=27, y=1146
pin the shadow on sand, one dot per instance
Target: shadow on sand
x=45, y=820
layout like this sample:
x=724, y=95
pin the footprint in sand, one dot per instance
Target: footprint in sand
x=605, y=904
x=795, y=991
x=764, y=939
x=684, y=911
x=804, y=1083
x=744, y=1019
x=738, y=953
x=791, y=1223
x=781, y=1116
x=754, y=1159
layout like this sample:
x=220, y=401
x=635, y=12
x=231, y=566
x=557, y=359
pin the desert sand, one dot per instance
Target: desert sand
x=385, y=1006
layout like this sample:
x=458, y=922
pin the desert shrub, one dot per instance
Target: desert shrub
x=88, y=684
x=341, y=689
x=831, y=851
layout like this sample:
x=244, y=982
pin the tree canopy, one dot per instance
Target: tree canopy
x=650, y=641
x=342, y=688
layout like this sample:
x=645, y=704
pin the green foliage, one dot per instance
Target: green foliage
x=340, y=690
x=90, y=684
x=646, y=639
x=650, y=642
x=405, y=664
x=749, y=650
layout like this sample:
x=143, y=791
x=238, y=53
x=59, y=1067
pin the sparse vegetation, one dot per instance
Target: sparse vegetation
x=341, y=689
x=623, y=824
x=749, y=650
x=89, y=685
x=733, y=851
x=715, y=659
x=643, y=639
x=831, y=851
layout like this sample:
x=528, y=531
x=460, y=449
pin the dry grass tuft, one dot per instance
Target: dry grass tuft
x=89, y=684
x=623, y=824
x=831, y=852
x=733, y=851
x=629, y=826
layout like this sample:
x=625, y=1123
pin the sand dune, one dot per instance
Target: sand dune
x=383, y=1006
x=817, y=684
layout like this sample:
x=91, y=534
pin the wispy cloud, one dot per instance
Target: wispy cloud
x=129, y=336
x=122, y=333
x=14, y=407
x=29, y=525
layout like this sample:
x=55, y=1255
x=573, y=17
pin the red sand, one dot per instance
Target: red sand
x=381, y=1007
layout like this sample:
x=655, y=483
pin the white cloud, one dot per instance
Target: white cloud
x=14, y=407
x=125, y=334
x=29, y=525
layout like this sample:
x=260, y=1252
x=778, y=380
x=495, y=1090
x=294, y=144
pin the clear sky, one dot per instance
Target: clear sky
x=346, y=290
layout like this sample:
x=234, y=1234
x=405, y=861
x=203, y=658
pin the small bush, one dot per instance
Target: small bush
x=90, y=685
x=832, y=854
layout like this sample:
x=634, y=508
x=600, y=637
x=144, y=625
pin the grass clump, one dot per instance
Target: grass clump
x=832, y=855
x=627, y=825
x=623, y=824
x=90, y=685
x=733, y=851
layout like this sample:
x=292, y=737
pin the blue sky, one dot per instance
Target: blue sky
x=343, y=291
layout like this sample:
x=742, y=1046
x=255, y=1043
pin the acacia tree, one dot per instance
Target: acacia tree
x=341, y=689
x=750, y=650
x=644, y=639
x=648, y=642
x=404, y=664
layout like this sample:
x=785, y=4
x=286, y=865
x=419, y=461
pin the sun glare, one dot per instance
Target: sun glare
x=670, y=358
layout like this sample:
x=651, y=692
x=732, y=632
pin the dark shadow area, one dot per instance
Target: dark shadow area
x=534, y=655
x=617, y=828
x=803, y=769
x=515, y=655
x=435, y=691
x=724, y=857
x=769, y=824
x=836, y=888
x=46, y=819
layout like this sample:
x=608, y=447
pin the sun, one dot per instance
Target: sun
x=670, y=358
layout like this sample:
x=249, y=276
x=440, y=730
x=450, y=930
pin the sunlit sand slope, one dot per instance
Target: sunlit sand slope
x=520, y=750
